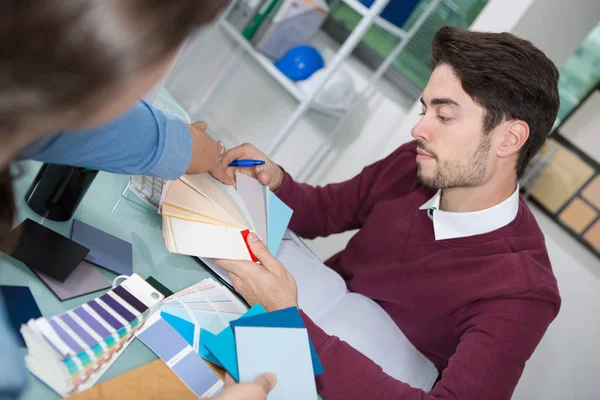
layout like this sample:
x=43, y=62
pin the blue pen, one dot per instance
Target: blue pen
x=246, y=163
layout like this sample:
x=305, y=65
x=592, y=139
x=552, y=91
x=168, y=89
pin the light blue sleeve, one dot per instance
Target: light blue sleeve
x=12, y=368
x=145, y=141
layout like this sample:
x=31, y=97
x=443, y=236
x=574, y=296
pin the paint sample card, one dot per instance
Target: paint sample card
x=282, y=351
x=183, y=327
x=83, y=280
x=165, y=291
x=202, y=306
x=252, y=193
x=180, y=195
x=207, y=320
x=20, y=307
x=46, y=251
x=206, y=337
x=106, y=251
x=222, y=346
x=180, y=357
x=70, y=351
x=279, y=218
x=203, y=217
x=169, y=210
x=219, y=194
x=95, y=326
x=285, y=318
x=203, y=240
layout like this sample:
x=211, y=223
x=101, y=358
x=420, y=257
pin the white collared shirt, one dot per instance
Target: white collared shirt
x=452, y=225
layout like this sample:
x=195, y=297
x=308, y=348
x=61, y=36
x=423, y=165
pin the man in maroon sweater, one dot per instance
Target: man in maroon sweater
x=445, y=244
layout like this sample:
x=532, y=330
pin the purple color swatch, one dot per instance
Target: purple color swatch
x=92, y=322
x=122, y=311
x=130, y=299
x=66, y=337
x=78, y=330
x=195, y=373
x=83, y=280
x=163, y=340
x=105, y=315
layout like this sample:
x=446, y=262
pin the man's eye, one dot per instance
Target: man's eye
x=443, y=119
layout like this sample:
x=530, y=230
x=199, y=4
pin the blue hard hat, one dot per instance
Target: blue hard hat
x=300, y=63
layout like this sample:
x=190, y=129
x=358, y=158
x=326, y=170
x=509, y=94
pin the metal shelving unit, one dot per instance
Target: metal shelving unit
x=370, y=16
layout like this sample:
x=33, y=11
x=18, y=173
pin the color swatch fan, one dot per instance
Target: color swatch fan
x=70, y=352
x=259, y=342
x=173, y=332
x=203, y=217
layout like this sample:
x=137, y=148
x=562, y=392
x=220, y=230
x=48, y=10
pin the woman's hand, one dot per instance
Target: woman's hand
x=206, y=154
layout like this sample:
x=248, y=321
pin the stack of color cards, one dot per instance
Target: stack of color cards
x=71, y=351
x=203, y=217
x=260, y=342
x=207, y=305
x=174, y=332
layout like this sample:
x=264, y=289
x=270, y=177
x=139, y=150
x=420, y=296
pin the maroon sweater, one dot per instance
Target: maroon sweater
x=476, y=306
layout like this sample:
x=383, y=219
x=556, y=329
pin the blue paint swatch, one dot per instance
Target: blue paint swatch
x=20, y=307
x=106, y=251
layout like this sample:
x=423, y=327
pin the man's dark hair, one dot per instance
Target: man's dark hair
x=508, y=76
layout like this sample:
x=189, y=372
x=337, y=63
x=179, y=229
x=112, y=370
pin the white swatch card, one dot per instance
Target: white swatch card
x=253, y=195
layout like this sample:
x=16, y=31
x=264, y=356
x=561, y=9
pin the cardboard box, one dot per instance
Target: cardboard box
x=291, y=23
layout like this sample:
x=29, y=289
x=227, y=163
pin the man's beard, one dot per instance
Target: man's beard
x=452, y=173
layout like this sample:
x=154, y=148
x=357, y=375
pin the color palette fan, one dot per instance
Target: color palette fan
x=260, y=342
x=70, y=352
x=203, y=217
x=173, y=334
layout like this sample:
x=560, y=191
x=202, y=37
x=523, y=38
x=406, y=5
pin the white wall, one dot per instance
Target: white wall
x=557, y=27
x=582, y=126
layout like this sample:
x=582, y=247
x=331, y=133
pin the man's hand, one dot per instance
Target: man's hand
x=269, y=174
x=256, y=390
x=267, y=283
x=206, y=153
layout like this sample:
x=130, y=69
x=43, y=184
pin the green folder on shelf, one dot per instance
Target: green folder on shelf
x=260, y=16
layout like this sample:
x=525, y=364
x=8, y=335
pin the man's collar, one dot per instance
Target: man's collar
x=452, y=225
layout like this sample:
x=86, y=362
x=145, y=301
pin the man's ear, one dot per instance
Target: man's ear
x=514, y=136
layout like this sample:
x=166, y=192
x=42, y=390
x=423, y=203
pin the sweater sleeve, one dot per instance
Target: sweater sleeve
x=339, y=207
x=494, y=340
x=144, y=141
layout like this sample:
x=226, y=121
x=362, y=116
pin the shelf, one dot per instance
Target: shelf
x=382, y=23
x=272, y=70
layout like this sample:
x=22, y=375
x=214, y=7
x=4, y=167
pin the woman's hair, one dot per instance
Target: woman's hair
x=61, y=59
